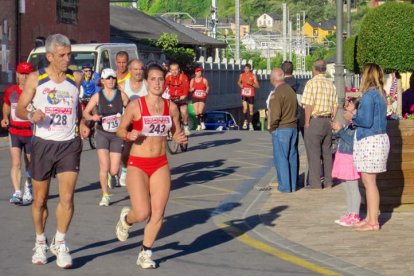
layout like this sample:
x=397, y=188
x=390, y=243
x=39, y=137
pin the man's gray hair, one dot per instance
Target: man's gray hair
x=277, y=74
x=135, y=60
x=320, y=66
x=56, y=40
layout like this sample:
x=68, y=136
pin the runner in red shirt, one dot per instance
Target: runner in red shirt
x=177, y=87
x=248, y=82
x=20, y=133
x=199, y=86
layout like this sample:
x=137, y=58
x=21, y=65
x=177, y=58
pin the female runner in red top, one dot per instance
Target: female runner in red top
x=148, y=174
x=199, y=86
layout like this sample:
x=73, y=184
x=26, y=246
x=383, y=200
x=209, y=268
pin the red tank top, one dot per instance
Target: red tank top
x=199, y=89
x=247, y=90
x=153, y=125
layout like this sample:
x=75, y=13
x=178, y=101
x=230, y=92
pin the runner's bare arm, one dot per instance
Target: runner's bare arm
x=121, y=86
x=25, y=99
x=88, y=109
x=132, y=112
x=239, y=82
x=125, y=99
x=192, y=85
x=256, y=83
x=6, y=113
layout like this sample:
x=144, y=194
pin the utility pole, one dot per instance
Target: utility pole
x=237, y=19
x=339, y=64
x=284, y=26
x=214, y=19
x=348, y=81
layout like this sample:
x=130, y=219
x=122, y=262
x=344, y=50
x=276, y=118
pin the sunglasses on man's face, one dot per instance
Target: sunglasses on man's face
x=110, y=78
x=86, y=71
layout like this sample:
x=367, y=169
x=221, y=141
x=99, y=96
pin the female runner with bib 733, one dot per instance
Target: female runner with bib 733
x=148, y=175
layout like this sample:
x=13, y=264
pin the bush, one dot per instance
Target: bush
x=387, y=36
x=350, y=54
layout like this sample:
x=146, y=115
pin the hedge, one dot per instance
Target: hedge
x=387, y=37
x=350, y=54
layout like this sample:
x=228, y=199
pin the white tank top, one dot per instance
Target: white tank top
x=59, y=101
x=132, y=95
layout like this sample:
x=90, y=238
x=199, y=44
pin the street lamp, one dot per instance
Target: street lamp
x=339, y=64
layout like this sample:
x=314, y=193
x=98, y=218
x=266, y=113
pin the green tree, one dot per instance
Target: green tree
x=183, y=56
x=350, y=54
x=387, y=36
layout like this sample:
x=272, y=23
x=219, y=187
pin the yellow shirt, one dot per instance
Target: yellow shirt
x=320, y=93
x=125, y=78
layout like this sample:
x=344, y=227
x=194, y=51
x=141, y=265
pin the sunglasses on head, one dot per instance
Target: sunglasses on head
x=110, y=78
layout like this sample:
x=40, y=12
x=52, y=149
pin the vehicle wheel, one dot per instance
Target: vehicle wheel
x=92, y=139
x=172, y=146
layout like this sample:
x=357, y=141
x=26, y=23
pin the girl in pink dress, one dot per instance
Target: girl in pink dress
x=343, y=167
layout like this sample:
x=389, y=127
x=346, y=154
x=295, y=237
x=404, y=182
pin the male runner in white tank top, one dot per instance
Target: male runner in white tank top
x=134, y=87
x=53, y=93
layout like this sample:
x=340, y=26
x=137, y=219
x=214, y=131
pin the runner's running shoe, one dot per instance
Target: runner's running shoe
x=122, y=179
x=105, y=201
x=122, y=227
x=144, y=259
x=16, y=198
x=245, y=124
x=61, y=251
x=27, y=194
x=39, y=257
x=186, y=130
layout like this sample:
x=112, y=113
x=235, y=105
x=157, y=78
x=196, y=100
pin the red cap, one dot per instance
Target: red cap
x=198, y=69
x=24, y=68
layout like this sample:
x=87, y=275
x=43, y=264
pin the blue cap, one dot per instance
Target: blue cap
x=86, y=65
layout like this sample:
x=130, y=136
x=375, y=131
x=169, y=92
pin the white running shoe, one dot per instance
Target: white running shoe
x=122, y=227
x=16, y=198
x=198, y=128
x=144, y=259
x=186, y=130
x=251, y=127
x=39, y=257
x=122, y=179
x=105, y=201
x=27, y=194
x=61, y=251
x=203, y=126
x=245, y=124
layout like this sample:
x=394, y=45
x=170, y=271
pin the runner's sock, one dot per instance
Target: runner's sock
x=60, y=237
x=40, y=238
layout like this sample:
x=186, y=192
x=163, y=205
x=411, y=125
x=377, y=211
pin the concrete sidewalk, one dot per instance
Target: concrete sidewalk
x=309, y=221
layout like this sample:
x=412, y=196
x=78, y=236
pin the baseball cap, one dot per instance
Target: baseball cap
x=198, y=69
x=24, y=68
x=86, y=65
x=108, y=72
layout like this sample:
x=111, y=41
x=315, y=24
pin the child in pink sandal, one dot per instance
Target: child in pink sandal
x=343, y=167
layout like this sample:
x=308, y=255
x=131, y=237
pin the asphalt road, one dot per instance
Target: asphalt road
x=210, y=227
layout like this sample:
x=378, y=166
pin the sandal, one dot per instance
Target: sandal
x=368, y=227
x=360, y=223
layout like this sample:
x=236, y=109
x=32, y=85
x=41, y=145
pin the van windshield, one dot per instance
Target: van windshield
x=38, y=60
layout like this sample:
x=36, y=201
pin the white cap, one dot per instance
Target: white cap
x=108, y=72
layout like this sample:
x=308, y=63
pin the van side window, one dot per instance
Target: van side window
x=104, y=63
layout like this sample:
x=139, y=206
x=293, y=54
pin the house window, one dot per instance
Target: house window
x=269, y=23
x=260, y=22
x=67, y=11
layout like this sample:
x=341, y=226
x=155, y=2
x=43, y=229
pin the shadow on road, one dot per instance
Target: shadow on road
x=198, y=173
x=230, y=230
x=211, y=144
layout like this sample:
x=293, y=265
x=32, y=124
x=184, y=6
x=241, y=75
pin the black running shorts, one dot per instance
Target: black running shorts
x=49, y=157
x=21, y=142
x=249, y=100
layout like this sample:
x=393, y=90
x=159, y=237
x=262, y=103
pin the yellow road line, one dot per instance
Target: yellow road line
x=217, y=188
x=254, y=165
x=252, y=152
x=246, y=239
x=203, y=195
